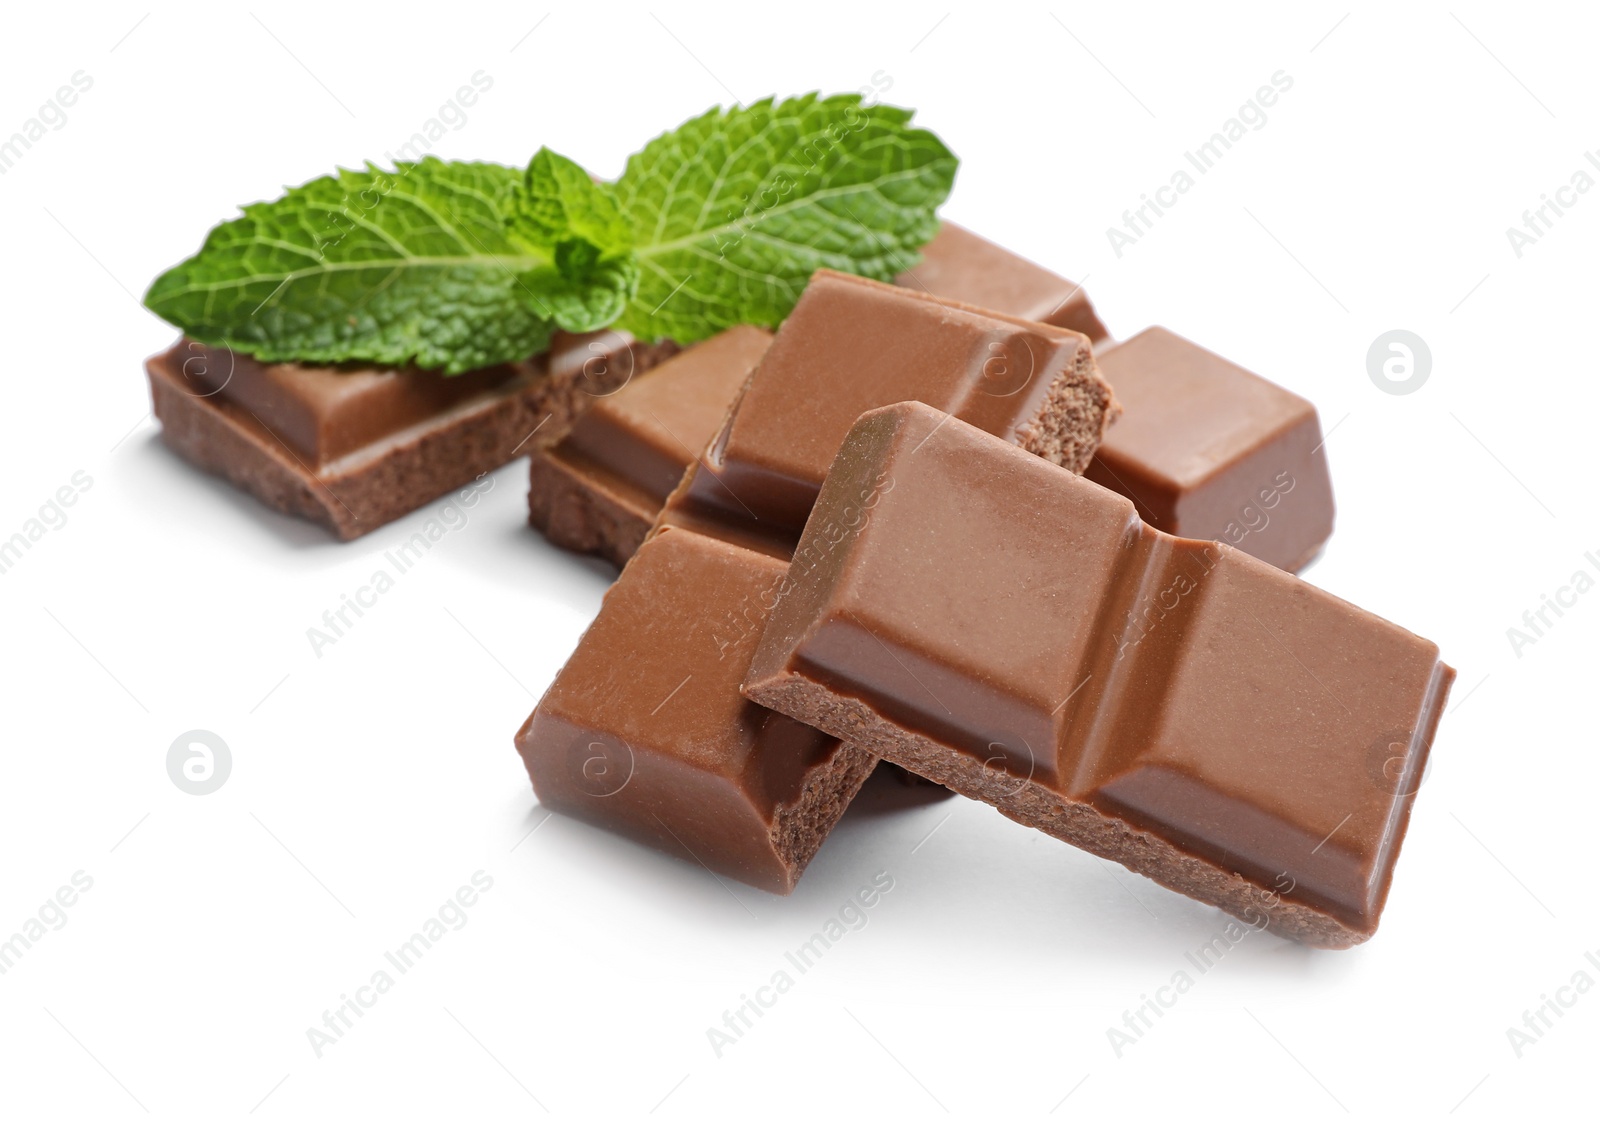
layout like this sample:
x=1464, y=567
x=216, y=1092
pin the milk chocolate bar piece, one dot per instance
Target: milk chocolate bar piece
x=601, y=487
x=644, y=731
x=1015, y=632
x=852, y=344
x=1208, y=451
x=964, y=267
x=354, y=449
x=847, y=344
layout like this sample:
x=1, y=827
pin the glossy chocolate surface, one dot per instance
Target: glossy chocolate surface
x=964, y=267
x=644, y=732
x=640, y=438
x=848, y=345
x=1015, y=631
x=852, y=344
x=325, y=413
x=1207, y=450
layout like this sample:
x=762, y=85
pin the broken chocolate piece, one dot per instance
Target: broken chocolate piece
x=644, y=731
x=601, y=487
x=354, y=449
x=1208, y=451
x=1015, y=632
x=852, y=344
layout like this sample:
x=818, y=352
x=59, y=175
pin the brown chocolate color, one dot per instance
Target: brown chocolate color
x=353, y=449
x=322, y=414
x=601, y=487
x=852, y=344
x=583, y=368
x=644, y=731
x=1208, y=451
x=964, y=267
x=1015, y=632
x=690, y=612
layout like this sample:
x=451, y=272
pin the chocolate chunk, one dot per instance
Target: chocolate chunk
x=601, y=487
x=963, y=267
x=644, y=731
x=852, y=344
x=1209, y=451
x=691, y=604
x=1013, y=631
x=354, y=449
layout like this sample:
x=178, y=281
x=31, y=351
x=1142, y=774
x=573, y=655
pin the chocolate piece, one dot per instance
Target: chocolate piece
x=1016, y=633
x=852, y=344
x=601, y=487
x=354, y=449
x=644, y=731
x=1209, y=451
x=848, y=343
x=963, y=267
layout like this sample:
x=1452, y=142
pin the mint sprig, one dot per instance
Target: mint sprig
x=457, y=266
x=563, y=212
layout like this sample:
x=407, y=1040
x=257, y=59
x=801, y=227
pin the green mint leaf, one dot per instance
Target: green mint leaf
x=733, y=211
x=457, y=266
x=560, y=209
x=411, y=266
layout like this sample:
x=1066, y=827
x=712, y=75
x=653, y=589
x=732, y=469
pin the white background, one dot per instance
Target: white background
x=372, y=781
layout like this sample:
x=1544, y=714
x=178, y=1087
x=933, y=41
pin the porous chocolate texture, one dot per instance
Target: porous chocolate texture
x=1015, y=632
x=353, y=448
